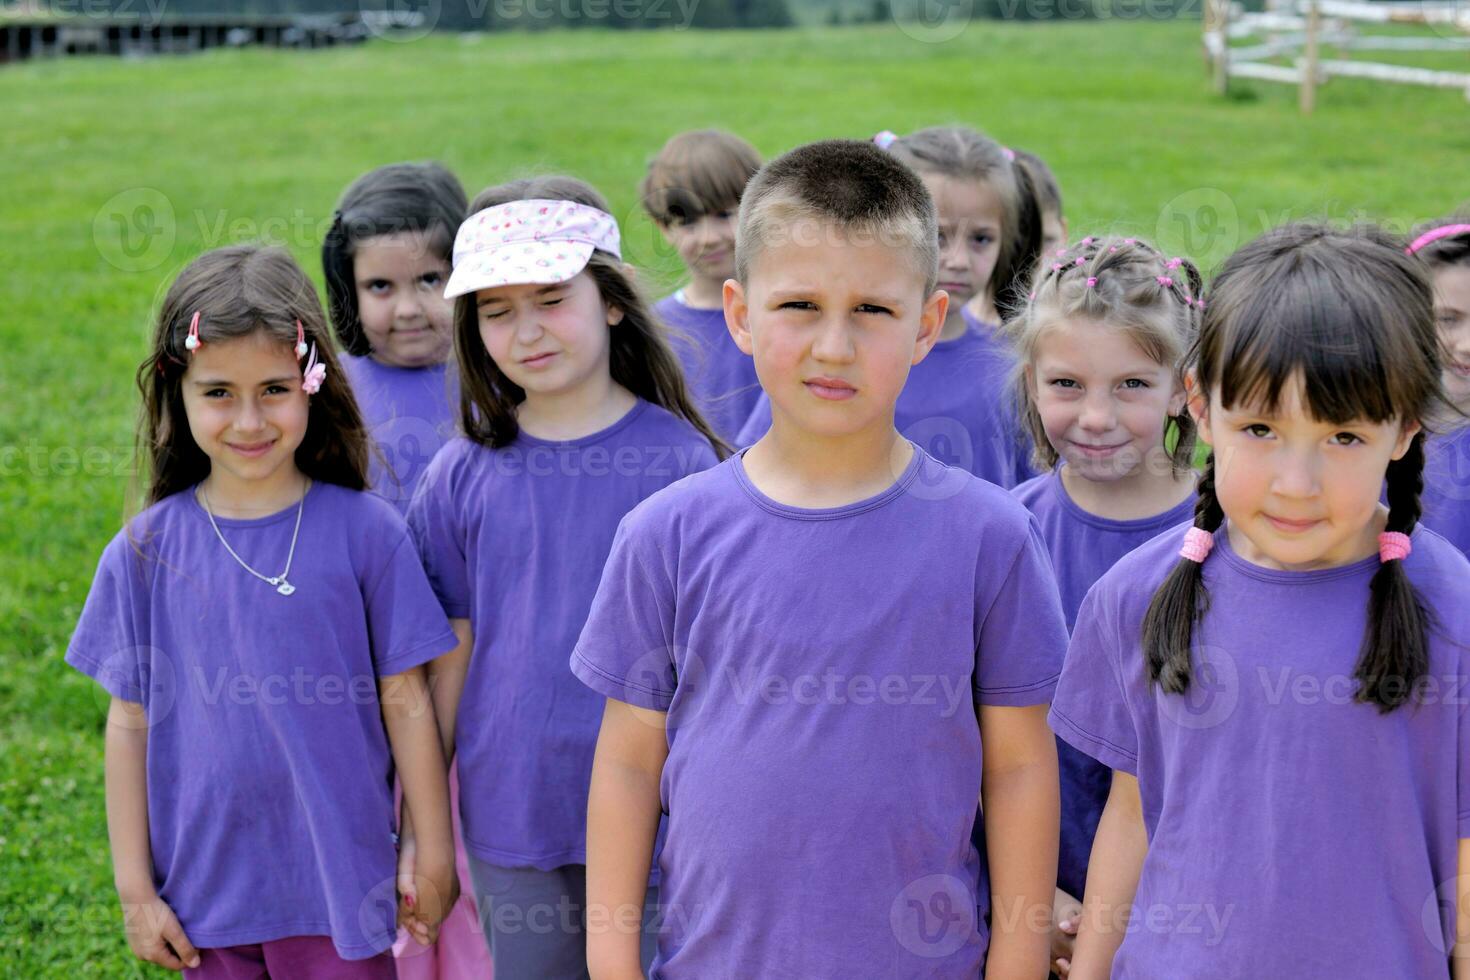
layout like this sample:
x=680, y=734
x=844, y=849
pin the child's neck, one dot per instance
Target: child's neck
x=581, y=411
x=982, y=308
x=800, y=469
x=228, y=496
x=955, y=325
x=1153, y=488
x=704, y=293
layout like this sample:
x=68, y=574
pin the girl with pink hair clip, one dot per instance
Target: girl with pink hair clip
x=262, y=629
x=1444, y=246
x=1278, y=686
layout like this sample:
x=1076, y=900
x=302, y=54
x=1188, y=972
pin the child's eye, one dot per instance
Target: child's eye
x=434, y=278
x=1346, y=439
x=1135, y=384
x=275, y=390
x=981, y=240
x=797, y=304
x=216, y=393
x=874, y=308
x=379, y=285
x=1064, y=383
x=492, y=314
x=551, y=302
x=1257, y=429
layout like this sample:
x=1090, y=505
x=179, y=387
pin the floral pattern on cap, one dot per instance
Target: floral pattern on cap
x=528, y=242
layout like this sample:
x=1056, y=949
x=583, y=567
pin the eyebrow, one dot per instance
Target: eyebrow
x=221, y=383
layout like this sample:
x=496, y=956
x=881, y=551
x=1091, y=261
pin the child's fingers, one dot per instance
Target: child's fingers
x=1062, y=968
x=173, y=934
x=1069, y=926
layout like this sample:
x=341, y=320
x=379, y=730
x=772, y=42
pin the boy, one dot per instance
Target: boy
x=795, y=644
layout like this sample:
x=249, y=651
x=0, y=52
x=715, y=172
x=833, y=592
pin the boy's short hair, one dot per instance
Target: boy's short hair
x=1048, y=191
x=697, y=173
x=853, y=185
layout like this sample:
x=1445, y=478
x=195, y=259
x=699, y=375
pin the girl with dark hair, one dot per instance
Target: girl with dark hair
x=573, y=410
x=262, y=628
x=386, y=260
x=1278, y=686
x=1444, y=246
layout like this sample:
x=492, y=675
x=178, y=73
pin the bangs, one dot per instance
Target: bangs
x=1353, y=352
x=697, y=192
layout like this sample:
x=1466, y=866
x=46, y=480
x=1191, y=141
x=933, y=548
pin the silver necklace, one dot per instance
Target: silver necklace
x=279, y=581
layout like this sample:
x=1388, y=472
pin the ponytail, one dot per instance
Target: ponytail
x=1168, y=626
x=1395, y=652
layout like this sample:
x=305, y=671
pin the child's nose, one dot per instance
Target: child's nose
x=250, y=418
x=834, y=342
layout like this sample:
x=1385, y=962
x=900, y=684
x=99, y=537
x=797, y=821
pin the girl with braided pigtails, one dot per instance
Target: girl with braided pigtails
x=1099, y=384
x=1278, y=687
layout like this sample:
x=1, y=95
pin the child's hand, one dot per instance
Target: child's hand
x=427, y=892
x=1066, y=913
x=155, y=935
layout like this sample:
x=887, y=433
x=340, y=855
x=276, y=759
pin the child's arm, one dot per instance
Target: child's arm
x=446, y=683
x=622, y=821
x=408, y=714
x=1112, y=880
x=153, y=931
x=1021, y=803
x=1461, y=961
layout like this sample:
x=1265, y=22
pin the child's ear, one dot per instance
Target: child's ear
x=1198, y=401
x=1178, y=399
x=931, y=323
x=737, y=315
x=1407, y=432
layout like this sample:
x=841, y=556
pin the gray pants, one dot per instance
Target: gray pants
x=534, y=921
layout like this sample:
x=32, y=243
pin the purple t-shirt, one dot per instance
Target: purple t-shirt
x=1292, y=832
x=270, y=781
x=820, y=670
x=956, y=405
x=1082, y=547
x=410, y=413
x=1446, y=497
x=514, y=540
x=720, y=375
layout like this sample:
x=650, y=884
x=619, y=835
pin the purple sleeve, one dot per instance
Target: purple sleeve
x=434, y=520
x=406, y=625
x=108, y=644
x=626, y=650
x=757, y=424
x=1022, y=632
x=1090, y=710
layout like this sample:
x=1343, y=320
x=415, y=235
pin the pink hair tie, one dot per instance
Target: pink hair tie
x=1197, y=544
x=1173, y=264
x=1394, y=546
x=300, y=341
x=1091, y=281
x=1010, y=153
x=1081, y=260
x=1434, y=235
x=1087, y=241
x=1164, y=280
x=885, y=139
x=192, y=341
x=1056, y=267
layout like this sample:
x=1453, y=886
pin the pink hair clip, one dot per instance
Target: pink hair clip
x=314, y=375
x=1056, y=267
x=1010, y=153
x=1130, y=241
x=192, y=341
x=1081, y=260
x=1112, y=248
x=1394, y=546
x=1197, y=544
x=1164, y=280
x=885, y=139
x=1173, y=264
x=1087, y=241
x=1032, y=297
x=1091, y=281
x=1434, y=235
x=300, y=341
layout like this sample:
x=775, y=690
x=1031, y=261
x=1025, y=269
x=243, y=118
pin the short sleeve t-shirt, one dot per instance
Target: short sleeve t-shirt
x=820, y=670
x=410, y=413
x=1083, y=547
x=514, y=539
x=1446, y=497
x=956, y=405
x=720, y=375
x=269, y=774
x=1292, y=831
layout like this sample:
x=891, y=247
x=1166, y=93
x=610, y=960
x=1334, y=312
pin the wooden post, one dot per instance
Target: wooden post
x=1221, y=22
x=1308, y=64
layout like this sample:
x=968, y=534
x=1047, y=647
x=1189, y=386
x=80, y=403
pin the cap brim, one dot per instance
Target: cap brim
x=522, y=263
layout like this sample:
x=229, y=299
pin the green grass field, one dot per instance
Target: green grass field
x=116, y=173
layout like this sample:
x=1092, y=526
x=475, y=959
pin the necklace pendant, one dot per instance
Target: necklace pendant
x=285, y=588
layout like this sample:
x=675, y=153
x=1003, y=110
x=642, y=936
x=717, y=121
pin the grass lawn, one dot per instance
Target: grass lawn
x=115, y=173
